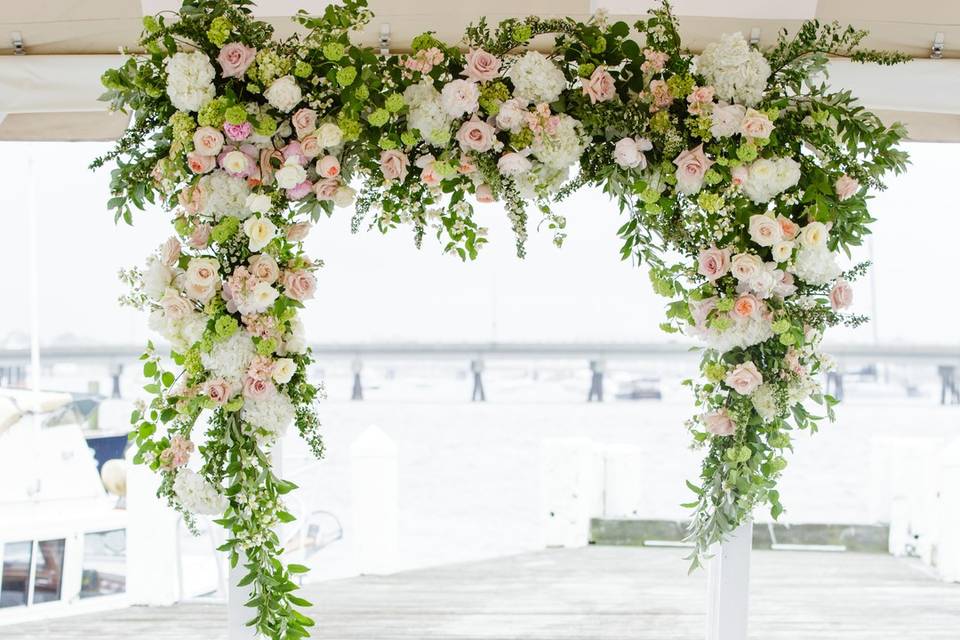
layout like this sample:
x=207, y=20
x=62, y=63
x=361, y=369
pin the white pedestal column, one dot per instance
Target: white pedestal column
x=374, y=484
x=729, y=586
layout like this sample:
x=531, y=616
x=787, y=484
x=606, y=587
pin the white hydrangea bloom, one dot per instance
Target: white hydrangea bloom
x=764, y=400
x=224, y=195
x=197, y=495
x=427, y=114
x=540, y=178
x=562, y=148
x=272, y=414
x=743, y=334
x=768, y=177
x=737, y=72
x=231, y=358
x=190, y=80
x=536, y=78
x=815, y=265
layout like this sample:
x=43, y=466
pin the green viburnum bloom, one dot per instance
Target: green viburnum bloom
x=225, y=229
x=650, y=195
x=712, y=177
x=236, y=114
x=361, y=93
x=183, y=127
x=444, y=169
x=346, y=76
x=394, y=102
x=680, y=86
x=772, y=112
x=182, y=226
x=333, y=51
x=715, y=371
x=219, y=31
x=724, y=305
x=253, y=88
x=710, y=202
x=585, y=69
x=521, y=139
x=386, y=143
x=408, y=138
x=225, y=326
x=425, y=41
x=378, y=117
x=270, y=66
x=302, y=69
x=492, y=95
x=522, y=33
x=265, y=125
x=780, y=326
x=660, y=122
x=350, y=128
x=192, y=363
x=747, y=152
x=266, y=346
x=599, y=45
x=440, y=136
x=205, y=343
x=721, y=323
x=212, y=114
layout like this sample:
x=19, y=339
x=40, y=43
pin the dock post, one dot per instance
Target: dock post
x=596, y=381
x=476, y=366
x=729, y=585
x=357, y=367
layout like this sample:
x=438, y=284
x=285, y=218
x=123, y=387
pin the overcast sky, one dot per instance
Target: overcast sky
x=380, y=288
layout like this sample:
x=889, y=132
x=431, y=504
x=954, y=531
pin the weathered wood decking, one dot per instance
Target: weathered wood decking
x=596, y=593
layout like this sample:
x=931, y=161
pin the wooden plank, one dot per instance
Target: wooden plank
x=594, y=593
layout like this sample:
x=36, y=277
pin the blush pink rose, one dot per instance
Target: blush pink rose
x=738, y=175
x=476, y=135
x=299, y=285
x=218, y=390
x=300, y=191
x=200, y=163
x=200, y=237
x=175, y=307
x=170, y=252
x=485, y=194
x=719, y=423
x=298, y=231
x=700, y=311
x=326, y=189
x=394, y=164
x=428, y=172
x=310, y=147
x=238, y=132
x=328, y=167
x=756, y=125
x=466, y=166
x=264, y=267
x=692, y=166
x=599, y=87
x=207, y=141
x=699, y=98
x=841, y=296
x=235, y=58
x=304, y=121
x=744, y=378
x=746, y=306
x=629, y=152
x=846, y=187
x=480, y=66
x=660, y=94
x=713, y=263
x=258, y=389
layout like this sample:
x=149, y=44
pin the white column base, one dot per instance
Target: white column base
x=729, y=586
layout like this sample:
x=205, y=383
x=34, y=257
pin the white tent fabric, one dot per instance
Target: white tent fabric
x=44, y=84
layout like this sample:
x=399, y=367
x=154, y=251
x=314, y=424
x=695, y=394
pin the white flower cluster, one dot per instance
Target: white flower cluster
x=284, y=93
x=181, y=332
x=231, y=358
x=224, y=195
x=540, y=180
x=536, y=79
x=736, y=71
x=272, y=414
x=768, y=177
x=764, y=400
x=197, y=495
x=742, y=334
x=427, y=114
x=562, y=148
x=190, y=80
x=815, y=264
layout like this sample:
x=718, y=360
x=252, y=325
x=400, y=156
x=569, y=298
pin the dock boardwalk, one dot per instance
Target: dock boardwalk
x=593, y=593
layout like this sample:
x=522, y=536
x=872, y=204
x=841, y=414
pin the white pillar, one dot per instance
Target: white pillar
x=729, y=586
x=622, y=482
x=374, y=483
x=948, y=529
x=571, y=490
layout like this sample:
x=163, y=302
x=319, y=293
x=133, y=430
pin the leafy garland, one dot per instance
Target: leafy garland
x=741, y=174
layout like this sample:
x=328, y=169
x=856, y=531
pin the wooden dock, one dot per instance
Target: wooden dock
x=595, y=593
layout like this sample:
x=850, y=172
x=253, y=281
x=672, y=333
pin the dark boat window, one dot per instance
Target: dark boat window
x=48, y=580
x=104, y=563
x=16, y=574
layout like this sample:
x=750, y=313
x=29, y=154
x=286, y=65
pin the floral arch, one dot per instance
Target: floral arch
x=740, y=174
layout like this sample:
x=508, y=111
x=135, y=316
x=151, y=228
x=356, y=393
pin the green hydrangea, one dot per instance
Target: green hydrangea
x=333, y=51
x=772, y=112
x=387, y=143
x=361, y=93
x=747, y=152
x=599, y=45
x=225, y=229
x=394, y=102
x=265, y=125
x=721, y=323
x=715, y=371
x=440, y=137
x=205, y=343
x=408, y=138
x=660, y=122
x=425, y=41
x=219, y=31
x=350, y=128
x=681, y=86
x=710, y=202
x=192, y=363
x=236, y=114
x=650, y=196
x=183, y=127
x=346, y=76
x=712, y=177
x=266, y=346
x=522, y=33
x=444, y=169
x=585, y=69
x=379, y=117
x=492, y=95
x=270, y=66
x=225, y=326
x=213, y=113
x=302, y=69
x=521, y=139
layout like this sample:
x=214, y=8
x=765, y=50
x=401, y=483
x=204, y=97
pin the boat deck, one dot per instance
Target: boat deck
x=595, y=593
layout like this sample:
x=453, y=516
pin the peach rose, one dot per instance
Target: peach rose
x=485, y=194
x=600, y=86
x=661, y=95
x=846, y=187
x=299, y=285
x=200, y=237
x=199, y=163
x=235, y=58
x=756, y=124
x=480, y=66
x=841, y=296
x=326, y=189
x=207, y=141
x=264, y=267
x=304, y=121
x=738, y=175
x=746, y=306
x=713, y=263
x=744, y=378
x=476, y=135
x=328, y=167
x=270, y=161
x=788, y=228
x=298, y=231
x=719, y=423
x=394, y=164
x=745, y=266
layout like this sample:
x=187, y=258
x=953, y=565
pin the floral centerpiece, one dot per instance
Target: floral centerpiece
x=742, y=175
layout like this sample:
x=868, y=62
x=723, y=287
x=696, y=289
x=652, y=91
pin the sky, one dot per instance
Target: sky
x=378, y=288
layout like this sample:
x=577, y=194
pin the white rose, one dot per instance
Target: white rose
x=260, y=231
x=261, y=298
x=782, y=250
x=764, y=230
x=511, y=115
x=236, y=162
x=725, y=120
x=745, y=266
x=258, y=202
x=628, y=152
x=203, y=277
x=296, y=340
x=156, y=278
x=290, y=174
x=813, y=235
x=514, y=164
x=344, y=196
x=459, y=97
x=284, y=93
x=283, y=370
x=328, y=135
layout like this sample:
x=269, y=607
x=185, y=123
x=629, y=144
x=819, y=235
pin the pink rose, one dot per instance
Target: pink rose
x=304, y=121
x=660, y=93
x=788, y=228
x=846, y=187
x=476, y=135
x=326, y=189
x=599, y=87
x=744, y=378
x=700, y=311
x=200, y=236
x=300, y=191
x=485, y=194
x=466, y=166
x=699, y=98
x=293, y=150
x=207, y=141
x=170, y=252
x=310, y=147
x=235, y=58
x=328, y=167
x=756, y=124
x=297, y=232
x=480, y=66
x=238, y=132
x=428, y=172
x=175, y=306
x=199, y=163
x=713, y=263
x=299, y=285
x=394, y=164
x=841, y=296
x=739, y=175
x=258, y=389
x=264, y=267
x=218, y=390
x=719, y=423
x=746, y=306
x=692, y=166
x=628, y=153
